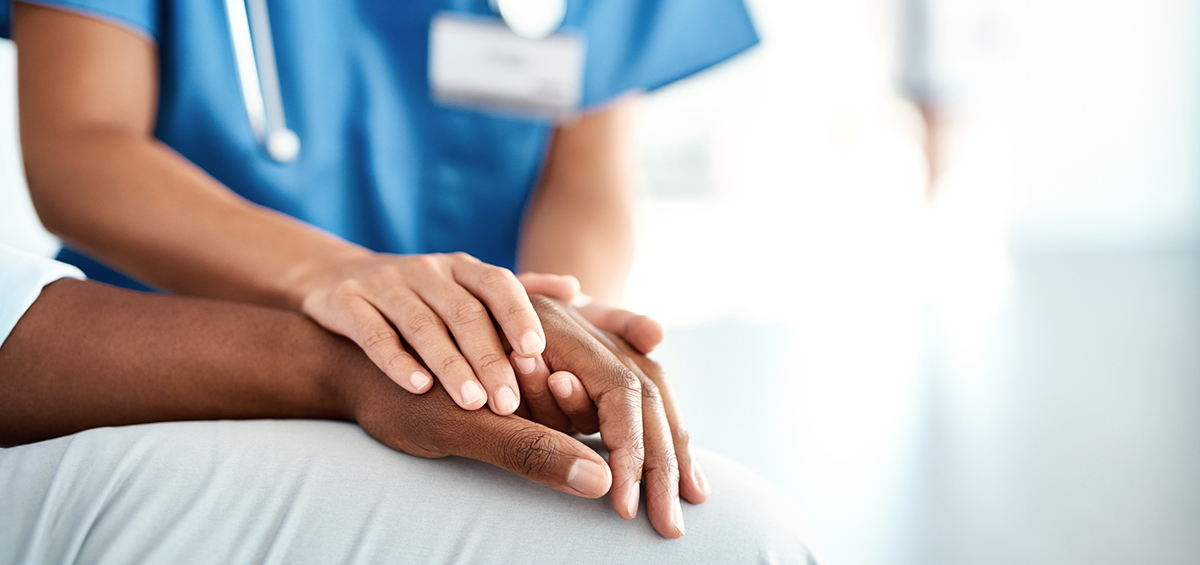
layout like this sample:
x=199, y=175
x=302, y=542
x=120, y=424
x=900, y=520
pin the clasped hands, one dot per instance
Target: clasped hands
x=614, y=390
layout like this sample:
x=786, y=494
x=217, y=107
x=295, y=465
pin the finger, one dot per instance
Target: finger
x=533, y=451
x=427, y=335
x=573, y=400
x=693, y=485
x=538, y=397
x=562, y=287
x=523, y=412
x=508, y=302
x=660, y=474
x=641, y=331
x=364, y=325
x=476, y=337
x=614, y=389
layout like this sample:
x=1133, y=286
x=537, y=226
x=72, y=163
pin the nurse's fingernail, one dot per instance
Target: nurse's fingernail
x=506, y=400
x=678, y=516
x=525, y=365
x=561, y=385
x=472, y=394
x=588, y=478
x=532, y=344
x=419, y=380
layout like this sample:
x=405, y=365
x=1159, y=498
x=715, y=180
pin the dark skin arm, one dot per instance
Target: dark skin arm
x=88, y=355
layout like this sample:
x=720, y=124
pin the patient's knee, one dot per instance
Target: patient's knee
x=747, y=520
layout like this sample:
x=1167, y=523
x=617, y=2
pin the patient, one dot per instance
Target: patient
x=83, y=355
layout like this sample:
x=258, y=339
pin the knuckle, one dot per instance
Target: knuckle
x=681, y=436
x=422, y=324
x=668, y=464
x=623, y=380
x=463, y=256
x=453, y=362
x=346, y=290
x=497, y=278
x=467, y=312
x=492, y=361
x=516, y=311
x=376, y=339
x=430, y=263
x=395, y=359
x=650, y=393
x=637, y=451
x=533, y=454
x=621, y=394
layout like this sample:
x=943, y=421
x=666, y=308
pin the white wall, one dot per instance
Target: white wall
x=1102, y=104
x=19, y=226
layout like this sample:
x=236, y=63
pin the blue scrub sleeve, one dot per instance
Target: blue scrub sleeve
x=641, y=45
x=139, y=16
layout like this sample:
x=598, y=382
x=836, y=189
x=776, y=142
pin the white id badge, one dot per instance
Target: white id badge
x=481, y=64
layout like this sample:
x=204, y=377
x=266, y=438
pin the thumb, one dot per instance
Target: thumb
x=562, y=287
x=642, y=332
x=538, y=453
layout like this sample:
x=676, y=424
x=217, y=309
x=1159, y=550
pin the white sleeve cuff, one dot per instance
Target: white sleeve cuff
x=22, y=277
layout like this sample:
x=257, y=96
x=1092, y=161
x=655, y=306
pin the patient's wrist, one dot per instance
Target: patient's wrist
x=345, y=375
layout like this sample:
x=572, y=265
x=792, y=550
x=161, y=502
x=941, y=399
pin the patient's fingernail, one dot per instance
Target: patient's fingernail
x=525, y=364
x=701, y=480
x=678, y=516
x=588, y=478
x=419, y=380
x=532, y=344
x=472, y=393
x=631, y=503
x=561, y=385
x=506, y=400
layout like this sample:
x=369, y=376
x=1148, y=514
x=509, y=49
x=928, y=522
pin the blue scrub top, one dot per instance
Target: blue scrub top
x=381, y=164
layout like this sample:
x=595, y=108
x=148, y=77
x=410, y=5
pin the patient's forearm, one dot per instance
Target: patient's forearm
x=88, y=355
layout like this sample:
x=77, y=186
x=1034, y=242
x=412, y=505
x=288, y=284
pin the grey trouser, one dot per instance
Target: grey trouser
x=320, y=492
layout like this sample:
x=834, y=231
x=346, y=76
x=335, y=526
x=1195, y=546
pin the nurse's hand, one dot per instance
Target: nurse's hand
x=442, y=305
x=627, y=398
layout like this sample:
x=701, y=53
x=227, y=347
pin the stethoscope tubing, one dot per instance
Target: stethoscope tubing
x=258, y=73
x=258, y=76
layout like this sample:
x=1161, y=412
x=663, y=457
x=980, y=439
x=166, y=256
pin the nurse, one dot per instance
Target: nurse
x=382, y=167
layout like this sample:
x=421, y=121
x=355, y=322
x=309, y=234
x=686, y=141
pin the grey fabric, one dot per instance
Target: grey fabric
x=324, y=492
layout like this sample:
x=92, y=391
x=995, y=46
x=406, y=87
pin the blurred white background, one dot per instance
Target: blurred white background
x=1003, y=372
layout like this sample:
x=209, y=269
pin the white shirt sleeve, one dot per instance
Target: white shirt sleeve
x=22, y=277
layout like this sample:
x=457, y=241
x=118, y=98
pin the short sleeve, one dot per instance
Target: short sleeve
x=139, y=16
x=22, y=277
x=646, y=44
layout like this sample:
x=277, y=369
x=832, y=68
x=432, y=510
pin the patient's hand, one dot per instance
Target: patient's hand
x=432, y=425
x=616, y=390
